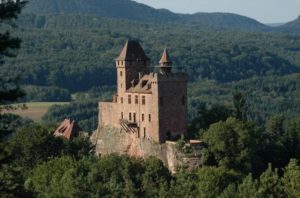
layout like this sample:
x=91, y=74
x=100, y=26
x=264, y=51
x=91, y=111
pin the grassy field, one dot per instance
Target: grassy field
x=36, y=110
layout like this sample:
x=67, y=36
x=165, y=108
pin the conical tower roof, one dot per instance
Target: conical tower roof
x=165, y=59
x=132, y=51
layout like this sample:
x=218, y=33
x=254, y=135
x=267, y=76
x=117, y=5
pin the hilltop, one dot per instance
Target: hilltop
x=130, y=10
x=291, y=27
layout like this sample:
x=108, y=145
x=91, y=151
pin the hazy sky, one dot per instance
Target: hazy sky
x=265, y=11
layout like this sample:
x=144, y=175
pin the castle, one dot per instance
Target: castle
x=147, y=104
x=148, y=112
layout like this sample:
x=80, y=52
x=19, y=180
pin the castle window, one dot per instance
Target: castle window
x=149, y=117
x=136, y=99
x=143, y=117
x=129, y=116
x=121, y=85
x=129, y=99
x=161, y=101
x=134, y=117
x=121, y=100
x=144, y=132
x=183, y=100
x=121, y=73
x=122, y=115
x=143, y=100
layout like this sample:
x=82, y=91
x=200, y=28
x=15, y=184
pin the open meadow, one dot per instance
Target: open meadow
x=35, y=110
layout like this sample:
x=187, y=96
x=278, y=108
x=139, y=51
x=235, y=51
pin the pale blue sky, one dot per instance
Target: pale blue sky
x=265, y=11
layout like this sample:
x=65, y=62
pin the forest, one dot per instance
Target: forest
x=244, y=103
x=60, y=52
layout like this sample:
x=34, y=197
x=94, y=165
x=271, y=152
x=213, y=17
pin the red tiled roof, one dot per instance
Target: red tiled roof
x=67, y=129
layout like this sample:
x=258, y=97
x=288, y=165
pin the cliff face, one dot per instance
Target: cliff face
x=111, y=140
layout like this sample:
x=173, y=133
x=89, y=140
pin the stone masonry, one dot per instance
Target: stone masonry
x=150, y=105
x=147, y=113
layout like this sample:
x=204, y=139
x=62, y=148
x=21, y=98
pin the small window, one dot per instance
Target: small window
x=121, y=85
x=129, y=99
x=121, y=100
x=134, y=117
x=149, y=117
x=161, y=101
x=144, y=132
x=122, y=115
x=129, y=116
x=143, y=100
x=183, y=100
x=121, y=73
x=136, y=99
x=143, y=117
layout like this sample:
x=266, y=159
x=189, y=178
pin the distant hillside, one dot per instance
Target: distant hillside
x=65, y=50
x=130, y=10
x=291, y=27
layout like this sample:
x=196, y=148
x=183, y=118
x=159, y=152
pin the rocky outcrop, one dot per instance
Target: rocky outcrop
x=112, y=140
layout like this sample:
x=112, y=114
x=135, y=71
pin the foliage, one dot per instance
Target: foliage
x=29, y=146
x=55, y=54
x=180, y=143
x=108, y=176
x=131, y=10
x=9, y=123
x=240, y=106
x=291, y=179
x=265, y=96
x=9, y=89
x=232, y=144
x=84, y=112
x=212, y=181
x=206, y=116
x=46, y=94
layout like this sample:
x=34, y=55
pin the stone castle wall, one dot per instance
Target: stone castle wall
x=110, y=140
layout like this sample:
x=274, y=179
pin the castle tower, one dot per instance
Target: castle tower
x=165, y=63
x=131, y=62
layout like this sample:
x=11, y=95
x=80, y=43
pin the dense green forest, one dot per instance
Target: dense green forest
x=265, y=96
x=66, y=50
x=131, y=10
x=243, y=103
x=243, y=159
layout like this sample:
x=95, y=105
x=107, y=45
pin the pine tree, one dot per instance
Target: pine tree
x=9, y=10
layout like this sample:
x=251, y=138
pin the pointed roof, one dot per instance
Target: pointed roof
x=132, y=51
x=165, y=59
x=67, y=129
